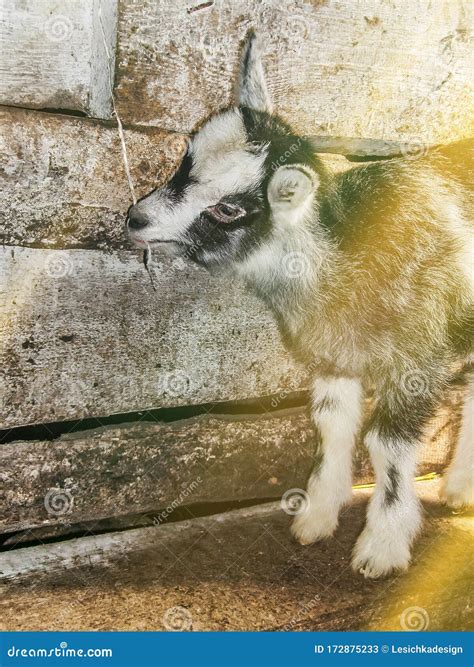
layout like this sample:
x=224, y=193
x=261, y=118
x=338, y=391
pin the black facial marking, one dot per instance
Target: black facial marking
x=392, y=486
x=209, y=241
x=204, y=236
x=181, y=178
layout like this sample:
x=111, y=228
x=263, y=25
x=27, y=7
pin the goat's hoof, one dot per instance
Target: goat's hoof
x=374, y=557
x=308, y=528
x=457, y=489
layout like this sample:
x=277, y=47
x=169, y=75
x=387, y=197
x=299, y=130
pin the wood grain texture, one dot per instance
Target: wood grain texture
x=84, y=334
x=385, y=69
x=53, y=54
x=63, y=182
x=103, y=550
x=117, y=471
x=83, y=564
x=120, y=471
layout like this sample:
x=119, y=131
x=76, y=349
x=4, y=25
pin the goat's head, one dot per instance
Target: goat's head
x=245, y=178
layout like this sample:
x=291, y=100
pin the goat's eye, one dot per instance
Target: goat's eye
x=223, y=212
x=227, y=211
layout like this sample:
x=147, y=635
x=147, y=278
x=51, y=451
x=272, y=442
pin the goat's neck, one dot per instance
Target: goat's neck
x=287, y=270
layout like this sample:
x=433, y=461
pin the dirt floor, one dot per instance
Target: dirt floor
x=242, y=571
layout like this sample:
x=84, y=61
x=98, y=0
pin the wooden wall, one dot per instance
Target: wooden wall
x=83, y=334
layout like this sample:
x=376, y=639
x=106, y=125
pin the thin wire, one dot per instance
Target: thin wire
x=147, y=258
x=421, y=478
x=115, y=113
x=147, y=255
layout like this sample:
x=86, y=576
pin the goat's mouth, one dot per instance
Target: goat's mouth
x=152, y=242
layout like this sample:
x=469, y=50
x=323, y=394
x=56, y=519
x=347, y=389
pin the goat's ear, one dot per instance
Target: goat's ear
x=251, y=89
x=291, y=187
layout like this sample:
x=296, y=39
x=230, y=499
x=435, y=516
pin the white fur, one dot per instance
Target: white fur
x=221, y=166
x=331, y=486
x=458, y=485
x=291, y=193
x=384, y=544
x=294, y=249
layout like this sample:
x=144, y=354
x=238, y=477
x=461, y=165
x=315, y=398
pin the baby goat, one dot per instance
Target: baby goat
x=369, y=274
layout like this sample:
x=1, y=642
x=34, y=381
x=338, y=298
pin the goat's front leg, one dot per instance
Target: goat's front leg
x=393, y=515
x=336, y=412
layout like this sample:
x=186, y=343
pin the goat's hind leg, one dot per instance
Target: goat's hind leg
x=336, y=412
x=458, y=484
x=394, y=512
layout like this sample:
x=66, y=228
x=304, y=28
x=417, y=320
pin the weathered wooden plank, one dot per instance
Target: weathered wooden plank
x=103, y=549
x=156, y=467
x=53, y=54
x=116, y=471
x=50, y=561
x=63, y=181
x=84, y=334
x=382, y=69
x=367, y=148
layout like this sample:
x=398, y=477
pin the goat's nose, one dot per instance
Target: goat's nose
x=136, y=220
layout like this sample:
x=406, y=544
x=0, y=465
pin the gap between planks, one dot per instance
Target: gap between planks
x=103, y=550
